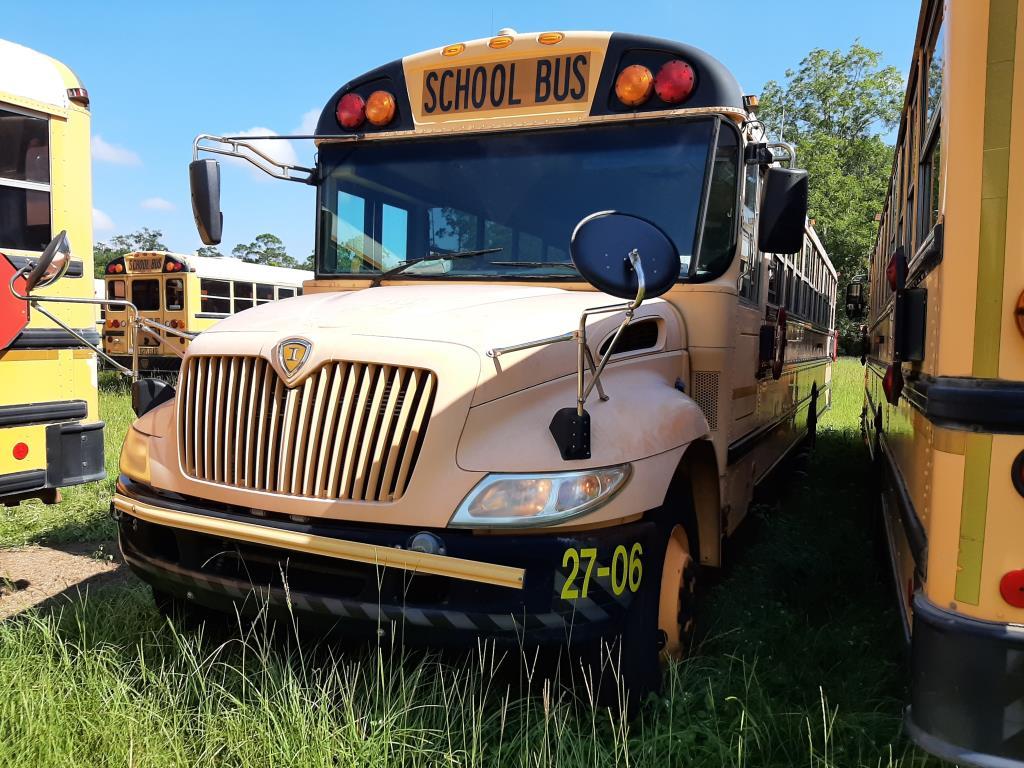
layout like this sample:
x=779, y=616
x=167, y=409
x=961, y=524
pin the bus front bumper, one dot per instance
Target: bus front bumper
x=364, y=580
x=967, y=688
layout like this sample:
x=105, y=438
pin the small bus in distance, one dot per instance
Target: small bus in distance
x=187, y=293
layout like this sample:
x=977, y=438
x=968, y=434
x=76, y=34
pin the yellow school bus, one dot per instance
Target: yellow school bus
x=944, y=405
x=50, y=432
x=548, y=354
x=186, y=293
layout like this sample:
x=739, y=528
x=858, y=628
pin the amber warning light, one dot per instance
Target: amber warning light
x=673, y=84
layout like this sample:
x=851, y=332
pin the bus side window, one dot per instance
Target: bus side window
x=24, y=157
x=264, y=293
x=216, y=297
x=174, y=294
x=285, y=293
x=750, y=262
x=243, y=296
x=146, y=294
x=115, y=290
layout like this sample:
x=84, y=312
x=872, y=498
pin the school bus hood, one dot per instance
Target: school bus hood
x=388, y=319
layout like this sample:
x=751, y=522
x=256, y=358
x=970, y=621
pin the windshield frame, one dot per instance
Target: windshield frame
x=720, y=121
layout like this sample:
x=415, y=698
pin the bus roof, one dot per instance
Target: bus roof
x=530, y=80
x=229, y=268
x=29, y=75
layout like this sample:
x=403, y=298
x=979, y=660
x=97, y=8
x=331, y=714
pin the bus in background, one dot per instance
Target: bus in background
x=461, y=432
x=187, y=293
x=944, y=402
x=50, y=432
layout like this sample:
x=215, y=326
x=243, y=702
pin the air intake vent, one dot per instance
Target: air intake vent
x=643, y=334
x=705, y=394
x=350, y=431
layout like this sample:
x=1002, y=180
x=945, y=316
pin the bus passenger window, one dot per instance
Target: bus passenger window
x=264, y=293
x=285, y=293
x=146, y=295
x=115, y=290
x=174, y=295
x=773, y=281
x=216, y=297
x=24, y=157
x=243, y=296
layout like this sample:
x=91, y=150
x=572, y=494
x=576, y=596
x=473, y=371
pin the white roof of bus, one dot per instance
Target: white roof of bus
x=31, y=75
x=229, y=268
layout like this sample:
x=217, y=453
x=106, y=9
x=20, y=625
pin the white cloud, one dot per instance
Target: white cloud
x=307, y=125
x=157, y=204
x=279, y=149
x=101, y=222
x=111, y=153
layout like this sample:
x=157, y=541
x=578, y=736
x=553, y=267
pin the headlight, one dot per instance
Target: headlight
x=539, y=499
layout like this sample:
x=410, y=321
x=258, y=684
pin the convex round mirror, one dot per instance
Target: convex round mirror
x=52, y=264
x=600, y=248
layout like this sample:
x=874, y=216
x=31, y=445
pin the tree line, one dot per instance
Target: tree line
x=264, y=249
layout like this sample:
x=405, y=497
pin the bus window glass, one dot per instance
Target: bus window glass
x=216, y=297
x=531, y=247
x=285, y=293
x=773, y=281
x=394, y=234
x=935, y=74
x=264, y=293
x=243, y=296
x=24, y=181
x=115, y=290
x=720, y=222
x=549, y=180
x=750, y=274
x=146, y=295
x=174, y=295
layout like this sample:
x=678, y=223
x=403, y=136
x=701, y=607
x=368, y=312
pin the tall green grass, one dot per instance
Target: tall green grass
x=799, y=666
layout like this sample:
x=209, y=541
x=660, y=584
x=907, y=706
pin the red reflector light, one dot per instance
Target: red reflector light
x=892, y=383
x=1011, y=587
x=351, y=110
x=674, y=81
x=896, y=270
x=380, y=108
x=20, y=451
x=634, y=85
x=115, y=323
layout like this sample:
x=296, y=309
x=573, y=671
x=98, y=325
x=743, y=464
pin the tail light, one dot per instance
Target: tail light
x=896, y=270
x=380, y=108
x=892, y=383
x=20, y=451
x=1017, y=473
x=115, y=323
x=634, y=85
x=1011, y=587
x=351, y=111
x=674, y=81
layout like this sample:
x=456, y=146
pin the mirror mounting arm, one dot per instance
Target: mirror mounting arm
x=242, y=147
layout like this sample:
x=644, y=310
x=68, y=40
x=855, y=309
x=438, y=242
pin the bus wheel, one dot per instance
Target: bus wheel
x=678, y=598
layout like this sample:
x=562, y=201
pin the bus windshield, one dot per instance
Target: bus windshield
x=518, y=196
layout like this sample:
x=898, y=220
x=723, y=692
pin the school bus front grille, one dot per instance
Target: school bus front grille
x=349, y=431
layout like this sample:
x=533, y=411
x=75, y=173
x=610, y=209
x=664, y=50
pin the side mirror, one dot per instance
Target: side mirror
x=783, y=211
x=52, y=264
x=603, y=248
x=856, y=301
x=204, y=182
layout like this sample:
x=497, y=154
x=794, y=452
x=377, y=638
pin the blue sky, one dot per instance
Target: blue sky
x=160, y=73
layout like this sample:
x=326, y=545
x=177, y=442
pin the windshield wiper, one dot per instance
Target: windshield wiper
x=399, y=268
x=568, y=264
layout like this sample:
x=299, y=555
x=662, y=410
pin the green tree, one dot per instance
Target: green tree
x=210, y=252
x=265, y=249
x=837, y=107
x=145, y=239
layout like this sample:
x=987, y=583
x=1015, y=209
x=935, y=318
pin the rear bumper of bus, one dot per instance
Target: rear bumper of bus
x=507, y=588
x=69, y=453
x=967, y=688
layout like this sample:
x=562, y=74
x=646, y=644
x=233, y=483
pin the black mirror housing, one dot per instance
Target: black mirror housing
x=783, y=211
x=204, y=183
x=856, y=301
x=147, y=394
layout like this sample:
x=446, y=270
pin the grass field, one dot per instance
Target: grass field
x=800, y=663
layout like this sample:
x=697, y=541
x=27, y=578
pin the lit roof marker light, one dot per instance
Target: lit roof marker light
x=453, y=50
x=351, y=111
x=674, y=81
x=550, y=38
x=634, y=85
x=380, y=108
x=501, y=41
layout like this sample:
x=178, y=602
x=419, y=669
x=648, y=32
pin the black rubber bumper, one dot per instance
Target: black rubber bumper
x=229, y=575
x=967, y=688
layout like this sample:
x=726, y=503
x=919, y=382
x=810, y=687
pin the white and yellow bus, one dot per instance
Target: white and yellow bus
x=186, y=293
x=944, y=400
x=546, y=359
x=50, y=432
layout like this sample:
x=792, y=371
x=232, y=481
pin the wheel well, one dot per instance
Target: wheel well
x=693, y=498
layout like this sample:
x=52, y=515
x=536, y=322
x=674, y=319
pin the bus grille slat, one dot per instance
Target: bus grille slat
x=350, y=431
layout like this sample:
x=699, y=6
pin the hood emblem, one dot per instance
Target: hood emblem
x=293, y=353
